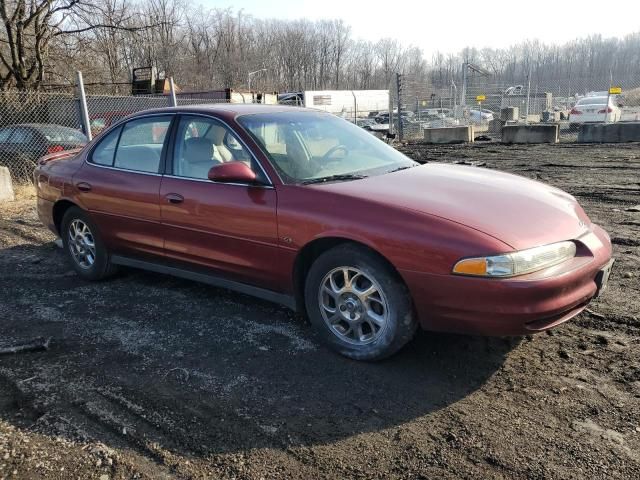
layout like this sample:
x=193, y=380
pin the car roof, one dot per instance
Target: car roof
x=226, y=109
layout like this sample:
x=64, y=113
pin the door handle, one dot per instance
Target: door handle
x=174, y=198
x=83, y=187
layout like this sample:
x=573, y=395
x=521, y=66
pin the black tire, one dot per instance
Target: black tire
x=400, y=325
x=101, y=267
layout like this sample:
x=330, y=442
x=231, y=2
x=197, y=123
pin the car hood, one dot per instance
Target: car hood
x=520, y=212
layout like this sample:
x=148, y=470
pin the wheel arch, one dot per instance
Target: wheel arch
x=59, y=209
x=312, y=250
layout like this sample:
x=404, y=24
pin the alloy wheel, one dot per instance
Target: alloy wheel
x=81, y=244
x=353, y=305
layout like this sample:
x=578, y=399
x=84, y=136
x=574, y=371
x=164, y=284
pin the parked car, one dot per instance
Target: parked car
x=306, y=209
x=515, y=90
x=442, y=122
x=21, y=145
x=477, y=116
x=435, y=112
x=595, y=110
x=365, y=123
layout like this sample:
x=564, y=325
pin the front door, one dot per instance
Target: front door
x=230, y=228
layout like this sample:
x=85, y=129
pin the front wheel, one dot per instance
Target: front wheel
x=358, y=304
x=84, y=246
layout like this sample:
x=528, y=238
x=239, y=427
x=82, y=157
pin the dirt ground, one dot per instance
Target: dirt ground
x=148, y=376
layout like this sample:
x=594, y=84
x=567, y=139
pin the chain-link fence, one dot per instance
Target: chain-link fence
x=368, y=109
x=34, y=124
x=488, y=105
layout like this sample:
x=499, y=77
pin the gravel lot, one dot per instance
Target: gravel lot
x=149, y=376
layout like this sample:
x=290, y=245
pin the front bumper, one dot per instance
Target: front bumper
x=515, y=306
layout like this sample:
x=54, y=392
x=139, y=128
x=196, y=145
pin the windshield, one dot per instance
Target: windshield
x=592, y=101
x=312, y=146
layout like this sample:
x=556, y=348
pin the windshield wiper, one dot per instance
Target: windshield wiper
x=401, y=168
x=333, y=178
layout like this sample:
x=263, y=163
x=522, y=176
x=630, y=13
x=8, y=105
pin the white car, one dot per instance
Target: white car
x=515, y=90
x=595, y=110
x=480, y=116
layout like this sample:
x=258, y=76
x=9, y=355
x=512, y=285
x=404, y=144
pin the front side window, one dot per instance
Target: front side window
x=310, y=146
x=140, y=144
x=202, y=143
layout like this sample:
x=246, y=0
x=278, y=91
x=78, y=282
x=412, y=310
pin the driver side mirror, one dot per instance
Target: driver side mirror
x=232, y=172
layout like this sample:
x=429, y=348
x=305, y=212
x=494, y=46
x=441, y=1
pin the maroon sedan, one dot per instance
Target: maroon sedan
x=305, y=209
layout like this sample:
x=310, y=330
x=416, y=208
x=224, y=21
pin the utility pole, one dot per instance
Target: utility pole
x=463, y=91
x=251, y=74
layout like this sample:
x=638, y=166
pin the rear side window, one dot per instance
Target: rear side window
x=21, y=136
x=104, y=152
x=140, y=145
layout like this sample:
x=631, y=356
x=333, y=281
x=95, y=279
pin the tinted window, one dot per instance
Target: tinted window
x=4, y=134
x=21, y=136
x=103, y=153
x=202, y=143
x=140, y=145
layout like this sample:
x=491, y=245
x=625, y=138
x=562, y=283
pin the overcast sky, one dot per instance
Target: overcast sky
x=449, y=26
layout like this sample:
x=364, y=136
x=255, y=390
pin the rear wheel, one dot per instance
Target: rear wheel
x=84, y=246
x=358, y=304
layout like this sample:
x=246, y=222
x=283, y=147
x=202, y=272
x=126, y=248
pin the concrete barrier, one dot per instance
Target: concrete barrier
x=449, y=134
x=510, y=114
x=609, y=132
x=530, y=133
x=495, y=125
x=6, y=187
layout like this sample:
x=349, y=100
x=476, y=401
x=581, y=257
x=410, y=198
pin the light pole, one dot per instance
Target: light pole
x=252, y=74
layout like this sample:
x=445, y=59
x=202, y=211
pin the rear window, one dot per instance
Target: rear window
x=592, y=101
x=62, y=134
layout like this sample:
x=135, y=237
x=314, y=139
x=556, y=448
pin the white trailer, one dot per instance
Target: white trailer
x=348, y=103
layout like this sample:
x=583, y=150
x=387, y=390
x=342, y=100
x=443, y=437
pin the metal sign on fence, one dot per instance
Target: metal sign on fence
x=143, y=81
x=481, y=98
x=615, y=90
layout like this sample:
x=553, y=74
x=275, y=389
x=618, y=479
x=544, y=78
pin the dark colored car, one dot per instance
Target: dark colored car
x=306, y=209
x=22, y=145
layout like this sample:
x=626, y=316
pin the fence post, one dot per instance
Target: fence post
x=172, y=93
x=355, y=107
x=391, y=127
x=399, y=91
x=84, y=111
x=526, y=118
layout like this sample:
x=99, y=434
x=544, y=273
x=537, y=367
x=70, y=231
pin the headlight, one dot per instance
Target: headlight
x=517, y=263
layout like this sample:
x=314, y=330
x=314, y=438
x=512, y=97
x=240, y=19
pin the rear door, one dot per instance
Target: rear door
x=230, y=228
x=119, y=184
